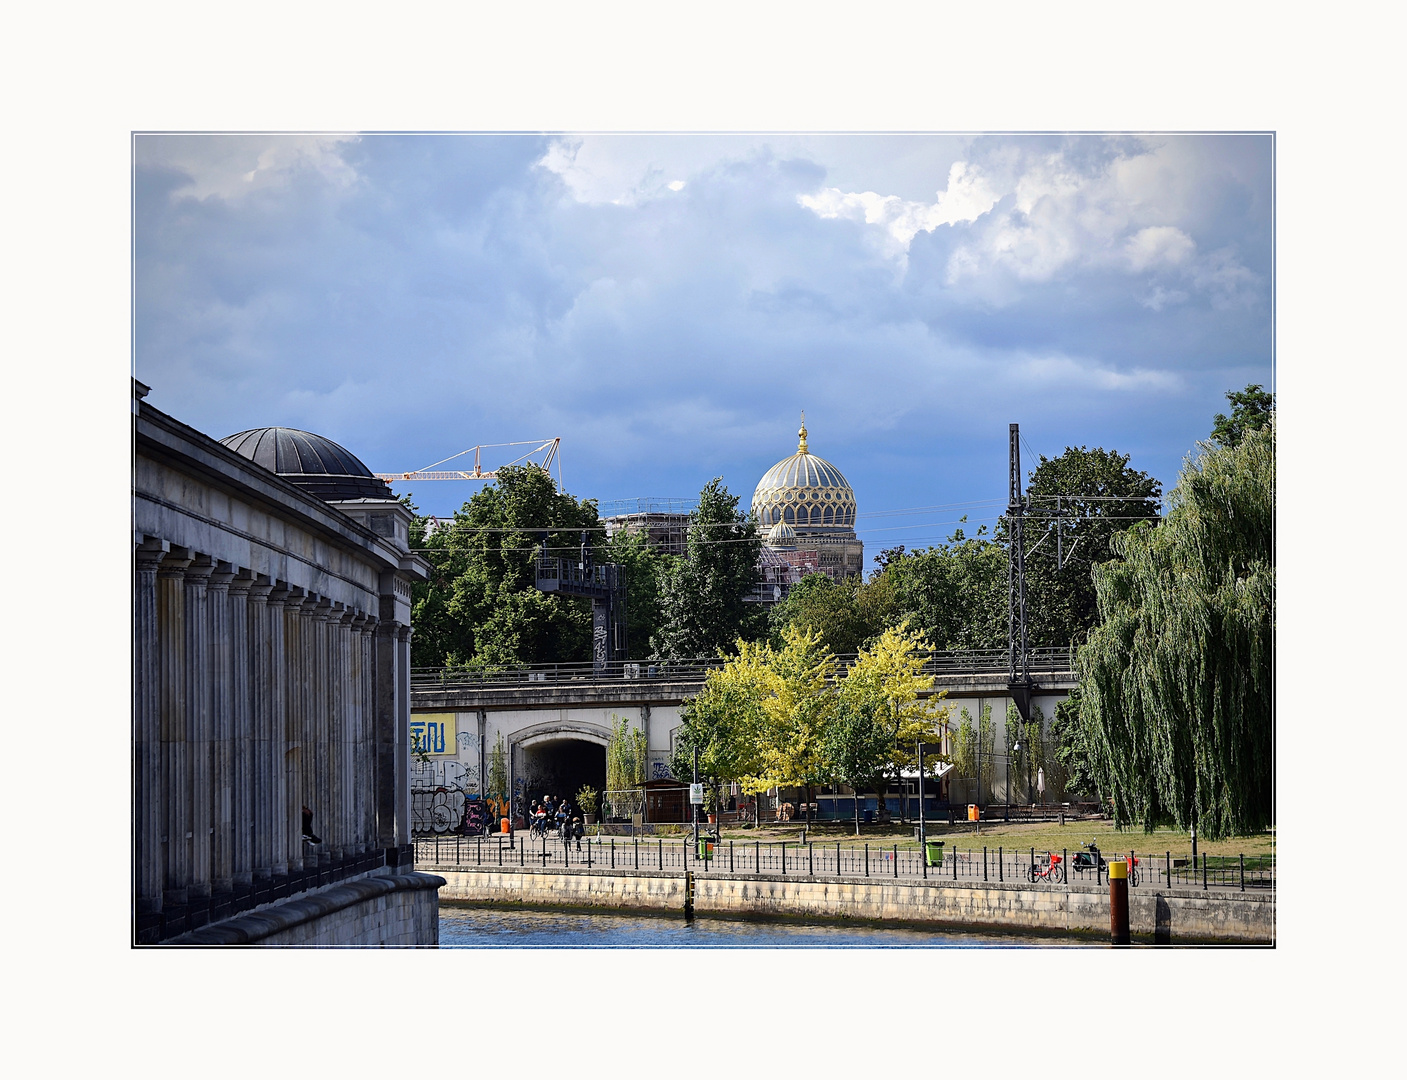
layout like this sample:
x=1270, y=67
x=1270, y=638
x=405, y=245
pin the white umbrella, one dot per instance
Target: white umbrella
x=1040, y=781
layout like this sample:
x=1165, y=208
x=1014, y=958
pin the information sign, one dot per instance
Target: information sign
x=696, y=794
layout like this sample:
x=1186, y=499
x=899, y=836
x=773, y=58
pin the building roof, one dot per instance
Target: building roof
x=314, y=463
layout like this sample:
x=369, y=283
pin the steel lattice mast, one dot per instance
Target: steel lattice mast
x=1018, y=648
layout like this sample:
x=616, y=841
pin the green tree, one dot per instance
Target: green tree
x=498, y=772
x=1101, y=495
x=953, y=593
x=1175, y=680
x=480, y=607
x=857, y=748
x=626, y=763
x=838, y=611
x=1251, y=410
x=973, y=751
x=1027, y=762
x=702, y=597
x=1074, y=772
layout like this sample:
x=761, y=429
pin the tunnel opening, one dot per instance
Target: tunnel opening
x=561, y=767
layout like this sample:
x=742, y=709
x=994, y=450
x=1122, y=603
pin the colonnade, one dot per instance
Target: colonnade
x=256, y=698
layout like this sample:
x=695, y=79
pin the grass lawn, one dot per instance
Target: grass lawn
x=1042, y=835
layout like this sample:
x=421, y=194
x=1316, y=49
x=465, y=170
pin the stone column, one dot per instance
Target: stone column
x=280, y=705
x=315, y=613
x=175, y=766
x=403, y=819
x=221, y=647
x=387, y=718
x=366, y=740
x=329, y=699
x=295, y=713
x=261, y=694
x=194, y=590
x=241, y=738
x=146, y=738
x=346, y=731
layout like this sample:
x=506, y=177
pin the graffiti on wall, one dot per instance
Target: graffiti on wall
x=433, y=733
x=446, y=796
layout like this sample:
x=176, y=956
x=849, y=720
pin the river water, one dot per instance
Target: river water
x=473, y=926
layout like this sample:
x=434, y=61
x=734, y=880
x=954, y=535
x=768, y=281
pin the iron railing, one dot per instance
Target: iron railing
x=826, y=859
x=957, y=662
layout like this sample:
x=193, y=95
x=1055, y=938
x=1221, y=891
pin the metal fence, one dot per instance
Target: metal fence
x=836, y=859
x=956, y=662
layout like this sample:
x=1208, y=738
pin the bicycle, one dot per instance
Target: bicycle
x=1049, y=868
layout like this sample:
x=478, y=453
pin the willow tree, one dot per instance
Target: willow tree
x=1176, y=679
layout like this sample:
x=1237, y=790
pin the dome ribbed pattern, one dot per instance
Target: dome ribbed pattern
x=314, y=463
x=805, y=491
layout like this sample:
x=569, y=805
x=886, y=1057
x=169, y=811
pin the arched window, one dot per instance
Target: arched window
x=790, y=518
x=828, y=519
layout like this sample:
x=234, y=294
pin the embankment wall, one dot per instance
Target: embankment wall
x=400, y=909
x=1159, y=914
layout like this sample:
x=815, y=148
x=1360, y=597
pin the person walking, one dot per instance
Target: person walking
x=578, y=831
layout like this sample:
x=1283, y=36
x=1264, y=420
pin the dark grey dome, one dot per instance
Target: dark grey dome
x=317, y=465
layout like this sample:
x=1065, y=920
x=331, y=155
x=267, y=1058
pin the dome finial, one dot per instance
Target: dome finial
x=801, y=449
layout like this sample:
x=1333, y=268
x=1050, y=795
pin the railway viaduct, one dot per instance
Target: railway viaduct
x=554, y=722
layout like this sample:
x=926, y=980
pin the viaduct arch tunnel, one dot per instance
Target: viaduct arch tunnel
x=560, y=764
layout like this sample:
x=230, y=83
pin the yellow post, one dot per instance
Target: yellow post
x=1119, y=902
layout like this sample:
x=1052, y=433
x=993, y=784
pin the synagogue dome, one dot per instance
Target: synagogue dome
x=805, y=491
x=316, y=464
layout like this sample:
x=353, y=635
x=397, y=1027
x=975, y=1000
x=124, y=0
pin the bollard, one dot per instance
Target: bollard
x=1119, y=903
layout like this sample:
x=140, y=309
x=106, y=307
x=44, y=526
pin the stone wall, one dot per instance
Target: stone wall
x=1174, y=915
x=392, y=910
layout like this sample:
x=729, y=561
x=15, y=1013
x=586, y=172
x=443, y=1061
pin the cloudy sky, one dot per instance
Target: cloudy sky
x=668, y=304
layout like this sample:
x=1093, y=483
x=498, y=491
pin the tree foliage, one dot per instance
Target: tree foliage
x=626, y=764
x=847, y=614
x=702, y=605
x=857, y=748
x=1251, y=410
x=1102, y=496
x=953, y=593
x=480, y=607
x=1175, y=681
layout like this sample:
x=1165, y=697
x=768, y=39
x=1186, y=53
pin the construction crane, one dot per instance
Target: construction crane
x=431, y=472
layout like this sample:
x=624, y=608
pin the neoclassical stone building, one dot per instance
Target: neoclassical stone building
x=271, y=693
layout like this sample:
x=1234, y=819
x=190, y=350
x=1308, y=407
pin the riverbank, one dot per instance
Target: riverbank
x=1157, y=914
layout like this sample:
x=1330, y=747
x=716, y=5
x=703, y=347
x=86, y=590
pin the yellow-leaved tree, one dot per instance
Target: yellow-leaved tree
x=888, y=679
x=796, y=705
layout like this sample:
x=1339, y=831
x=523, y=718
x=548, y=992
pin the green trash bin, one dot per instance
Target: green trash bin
x=934, y=850
x=705, y=849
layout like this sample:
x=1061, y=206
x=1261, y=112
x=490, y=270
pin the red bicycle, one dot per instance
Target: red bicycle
x=1050, y=868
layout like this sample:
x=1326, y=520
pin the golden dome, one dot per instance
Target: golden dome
x=804, y=491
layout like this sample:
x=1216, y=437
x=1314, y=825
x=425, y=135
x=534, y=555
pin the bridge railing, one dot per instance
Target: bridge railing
x=954, y=662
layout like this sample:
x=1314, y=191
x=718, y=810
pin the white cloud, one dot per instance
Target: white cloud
x=234, y=165
x=968, y=197
x=1159, y=244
